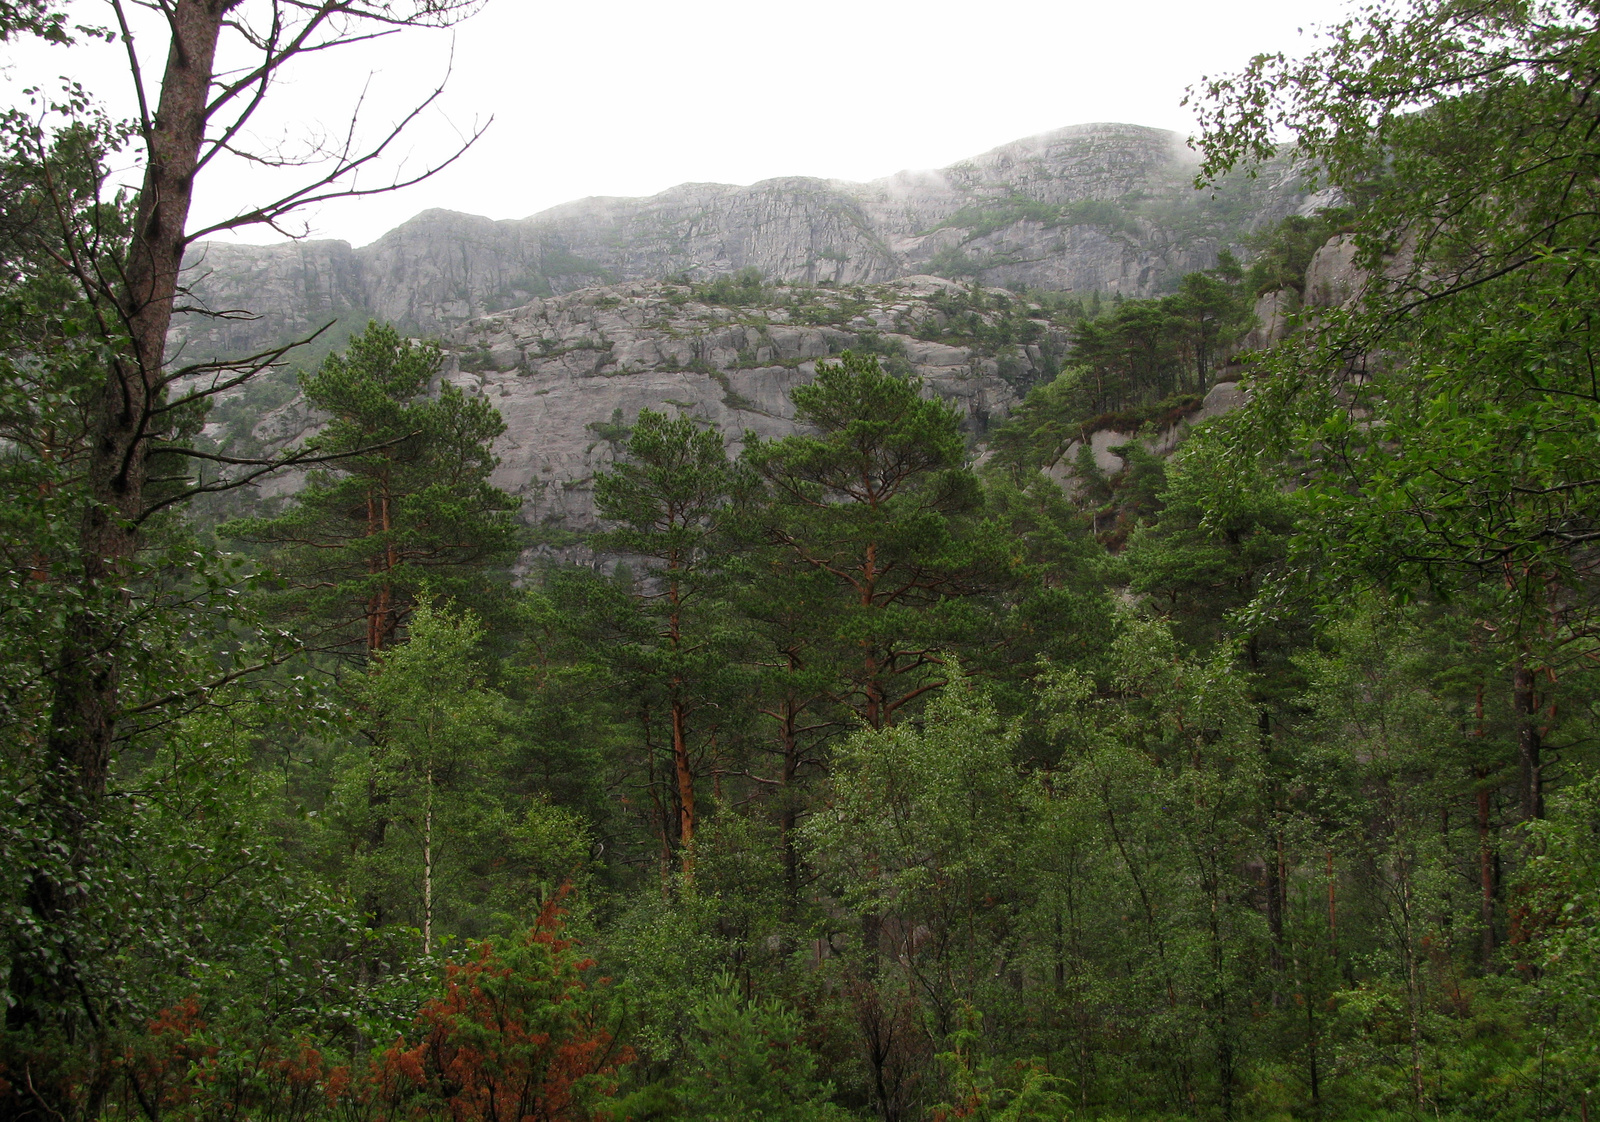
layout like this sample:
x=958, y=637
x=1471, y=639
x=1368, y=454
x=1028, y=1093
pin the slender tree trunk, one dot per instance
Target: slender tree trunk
x=1220, y=992
x=1486, y=877
x=1274, y=888
x=374, y=605
x=1333, y=912
x=657, y=800
x=1447, y=897
x=1525, y=703
x=1309, y=1000
x=378, y=797
x=1408, y=949
x=871, y=942
x=378, y=610
x=873, y=687
x=685, y=777
x=1311, y=1055
x=1486, y=861
x=382, y=621
x=788, y=809
x=678, y=711
x=1414, y=1002
x=1274, y=878
x=427, y=867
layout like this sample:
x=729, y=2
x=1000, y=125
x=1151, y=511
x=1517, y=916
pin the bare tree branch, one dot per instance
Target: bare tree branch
x=268, y=214
x=264, y=466
x=249, y=367
x=133, y=70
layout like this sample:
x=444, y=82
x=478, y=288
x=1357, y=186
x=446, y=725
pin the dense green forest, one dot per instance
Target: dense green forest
x=866, y=776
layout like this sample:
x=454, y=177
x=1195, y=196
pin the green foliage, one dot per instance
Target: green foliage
x=981, y=318
x=202, y=933
x=34, y=17
x=667, y=492
x=405, y=505
x=1283, y=253
x=1146, y=362
x=670, y=497
x=614, y=432
x=981, y=221
x=745, y=1059
x=927, y=826
x=951, y=262
x=1030, y=1094
x=428, y=785
x=734, y=290
x=557, y=261
x=1208, y=787
x=879, y=501
x=1482, y=388
x=822, y=306
x=1222, y=539
x=1564, y=883
x=1140, y=369
x=891, y=354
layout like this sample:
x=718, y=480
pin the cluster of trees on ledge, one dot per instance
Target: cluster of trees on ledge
x=872, y=785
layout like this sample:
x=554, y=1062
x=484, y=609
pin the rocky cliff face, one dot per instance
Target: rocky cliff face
x=569, y=373
x=1106, y=208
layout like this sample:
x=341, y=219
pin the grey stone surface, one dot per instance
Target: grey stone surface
x=1272, y=311
x=1332, y=279
x=1222, y=398
x=563, y=369
x=1106, y=207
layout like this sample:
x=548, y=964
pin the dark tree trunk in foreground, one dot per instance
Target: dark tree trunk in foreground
x=125, y=413
x=127, y=420
x=124, y=417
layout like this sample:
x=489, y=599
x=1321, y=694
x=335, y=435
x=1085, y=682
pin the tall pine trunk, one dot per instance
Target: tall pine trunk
x=678, y=711
x=1525, y=704
x=788, y=809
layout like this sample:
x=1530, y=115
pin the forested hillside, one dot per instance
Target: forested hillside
x=1209, y=734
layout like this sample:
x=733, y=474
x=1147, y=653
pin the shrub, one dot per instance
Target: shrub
x=518, y=1034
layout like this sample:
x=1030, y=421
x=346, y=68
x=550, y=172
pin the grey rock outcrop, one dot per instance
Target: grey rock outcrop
x=1272, y=323
x=1106, y=208
x=1333, y=279
x=1222, y=398
x=569, y=373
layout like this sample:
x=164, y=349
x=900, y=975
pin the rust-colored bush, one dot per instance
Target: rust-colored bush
x=516, y=1037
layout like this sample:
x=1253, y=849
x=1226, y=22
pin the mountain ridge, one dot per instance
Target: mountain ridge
x=1098, y=207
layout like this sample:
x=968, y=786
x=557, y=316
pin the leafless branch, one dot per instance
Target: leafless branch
x=248, y=367
x=263, y=466
x=313, y=193
x=133, y=69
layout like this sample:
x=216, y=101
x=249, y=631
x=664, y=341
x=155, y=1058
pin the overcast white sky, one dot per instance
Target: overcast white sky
x=628, y=97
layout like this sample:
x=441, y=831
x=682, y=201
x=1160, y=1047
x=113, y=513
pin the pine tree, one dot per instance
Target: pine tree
x=669, y=496
x=880, y=502
x=407, y=505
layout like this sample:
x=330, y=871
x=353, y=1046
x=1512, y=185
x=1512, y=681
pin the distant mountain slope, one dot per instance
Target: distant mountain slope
x=569, y=373
x=1102, y=207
